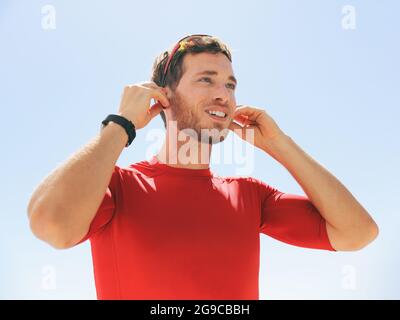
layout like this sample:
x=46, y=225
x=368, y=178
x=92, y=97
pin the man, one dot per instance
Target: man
x=170, y=228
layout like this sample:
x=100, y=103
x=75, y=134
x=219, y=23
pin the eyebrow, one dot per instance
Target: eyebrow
x=214, y=73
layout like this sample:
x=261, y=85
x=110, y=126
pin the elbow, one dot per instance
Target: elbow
x=372, y=233
x=355, y=238
x=369, y=234
x=45, y=227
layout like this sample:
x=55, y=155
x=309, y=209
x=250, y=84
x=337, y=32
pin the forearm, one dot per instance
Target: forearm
x=335, y=203
x=70, y=195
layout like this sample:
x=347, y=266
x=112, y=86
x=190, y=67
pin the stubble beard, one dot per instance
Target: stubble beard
x=189, y=120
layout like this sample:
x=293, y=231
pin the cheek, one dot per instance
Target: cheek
x=201, y=102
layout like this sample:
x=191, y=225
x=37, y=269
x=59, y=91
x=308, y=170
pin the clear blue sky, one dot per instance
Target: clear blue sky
x=335, y=91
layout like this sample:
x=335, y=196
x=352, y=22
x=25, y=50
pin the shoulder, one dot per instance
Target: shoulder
x=136, y=169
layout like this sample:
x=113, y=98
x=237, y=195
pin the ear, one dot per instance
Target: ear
x=166, y=91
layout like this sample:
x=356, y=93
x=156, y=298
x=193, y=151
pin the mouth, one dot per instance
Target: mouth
x=217, y=115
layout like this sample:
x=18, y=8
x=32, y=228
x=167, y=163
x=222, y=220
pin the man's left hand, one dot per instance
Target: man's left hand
x=251, y=118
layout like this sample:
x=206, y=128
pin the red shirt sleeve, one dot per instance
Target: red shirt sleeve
x=292, y=219
x=106, y=210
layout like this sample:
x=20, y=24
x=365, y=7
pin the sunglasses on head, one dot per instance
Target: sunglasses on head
x=179, y=46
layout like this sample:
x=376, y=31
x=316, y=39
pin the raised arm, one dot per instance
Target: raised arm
x=65, y=202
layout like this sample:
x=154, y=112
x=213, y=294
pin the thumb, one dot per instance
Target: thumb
x=239, y=130
x=155, y=109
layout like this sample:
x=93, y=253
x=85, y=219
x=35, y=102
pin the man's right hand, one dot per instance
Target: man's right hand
x=135, y=103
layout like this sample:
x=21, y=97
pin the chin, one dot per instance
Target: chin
x=213, y=135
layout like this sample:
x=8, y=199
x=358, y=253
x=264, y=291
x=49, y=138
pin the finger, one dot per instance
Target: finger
x=150, y=84
x=160, y=97
x=241, y=117
x=154, y=101
x=244, y=120
x=235, y=126
x=156, y=92
x=244, y=109
x=247, y=111
x=162, y=105
x=155, y=109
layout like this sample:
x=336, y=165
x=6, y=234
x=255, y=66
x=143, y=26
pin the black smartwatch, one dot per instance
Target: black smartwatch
x=125, y=123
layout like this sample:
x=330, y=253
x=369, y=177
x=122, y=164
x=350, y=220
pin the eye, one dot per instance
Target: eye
x=233, y=87
x=205, y=78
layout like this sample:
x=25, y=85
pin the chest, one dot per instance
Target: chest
x=196, y=211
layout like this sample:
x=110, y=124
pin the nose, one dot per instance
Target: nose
x=222, y=94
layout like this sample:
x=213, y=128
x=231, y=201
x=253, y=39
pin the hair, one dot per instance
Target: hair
x=192, y=45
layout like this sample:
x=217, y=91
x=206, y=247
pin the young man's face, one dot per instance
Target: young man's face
x=199, y=93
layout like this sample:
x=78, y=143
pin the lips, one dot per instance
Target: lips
x=216, y=118
x=216, y=108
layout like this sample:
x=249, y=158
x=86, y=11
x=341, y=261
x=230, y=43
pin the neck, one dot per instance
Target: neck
x=184, y=152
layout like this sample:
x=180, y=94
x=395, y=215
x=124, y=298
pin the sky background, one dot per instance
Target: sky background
x=334, y=90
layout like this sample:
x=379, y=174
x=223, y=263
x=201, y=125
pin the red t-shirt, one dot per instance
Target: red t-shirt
x=171, y=233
